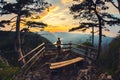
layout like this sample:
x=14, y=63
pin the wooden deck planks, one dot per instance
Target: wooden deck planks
x=65, y=63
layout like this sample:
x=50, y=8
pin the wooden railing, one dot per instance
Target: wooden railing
x=87, y=51
x=41, y=50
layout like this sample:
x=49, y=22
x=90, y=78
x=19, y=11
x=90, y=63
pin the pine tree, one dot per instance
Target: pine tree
x=94, y=12
x=21, y=9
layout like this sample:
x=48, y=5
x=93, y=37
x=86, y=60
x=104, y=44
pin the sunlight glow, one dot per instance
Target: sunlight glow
x=57, y=28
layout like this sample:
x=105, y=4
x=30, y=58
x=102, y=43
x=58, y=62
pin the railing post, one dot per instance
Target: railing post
x=70, y=46
x=86, y=53
x=44, y=50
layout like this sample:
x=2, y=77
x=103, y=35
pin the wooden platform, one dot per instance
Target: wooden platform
x=65, y=63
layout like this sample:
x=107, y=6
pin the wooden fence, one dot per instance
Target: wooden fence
x=87, y=51
x=43, y=49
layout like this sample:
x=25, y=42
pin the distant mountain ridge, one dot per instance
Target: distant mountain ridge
x=67, y=37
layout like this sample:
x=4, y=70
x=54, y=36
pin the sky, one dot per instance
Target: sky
x=60, y=16
x=59, y=19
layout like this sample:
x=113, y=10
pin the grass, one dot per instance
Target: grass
x=7, y=72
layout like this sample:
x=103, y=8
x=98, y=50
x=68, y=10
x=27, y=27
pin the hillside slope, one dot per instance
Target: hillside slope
x=9, y=64
x=29, y=41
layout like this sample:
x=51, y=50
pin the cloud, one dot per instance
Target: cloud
x=70, y=1
x=63, y=18
x=42, y=15
x=11, y=1
x=48, y=11
x=59, y=28
x=112, y=9
x=66, y=1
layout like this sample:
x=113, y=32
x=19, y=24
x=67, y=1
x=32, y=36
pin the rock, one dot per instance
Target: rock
x=1, y=69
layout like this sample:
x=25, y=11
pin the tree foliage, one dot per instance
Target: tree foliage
x=28, y=8
x=90, y=9
x=34, y=24
x=3, y=22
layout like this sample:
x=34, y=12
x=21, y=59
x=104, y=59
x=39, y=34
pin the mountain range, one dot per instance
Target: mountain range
x=73, y=37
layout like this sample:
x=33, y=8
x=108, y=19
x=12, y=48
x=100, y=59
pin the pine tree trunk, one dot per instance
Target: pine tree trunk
x=100, y=38
x=93, y=35
x=18, y=39
x=100, y=33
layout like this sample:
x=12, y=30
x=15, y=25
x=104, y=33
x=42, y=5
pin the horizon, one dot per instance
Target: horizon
x=76, y=32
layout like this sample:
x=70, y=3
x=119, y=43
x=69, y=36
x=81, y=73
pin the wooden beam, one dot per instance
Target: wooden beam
x=31, y=51
x=65, y=63
x=36, y=59
x=33, y=57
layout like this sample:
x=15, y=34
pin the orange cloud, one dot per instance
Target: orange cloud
x=56, y=28
x=34, y=29
x=51, y=28
x=48, y=10
x=69, y=1
x=42, y=14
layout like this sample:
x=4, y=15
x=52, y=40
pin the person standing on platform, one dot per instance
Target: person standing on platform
x=58, y=46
